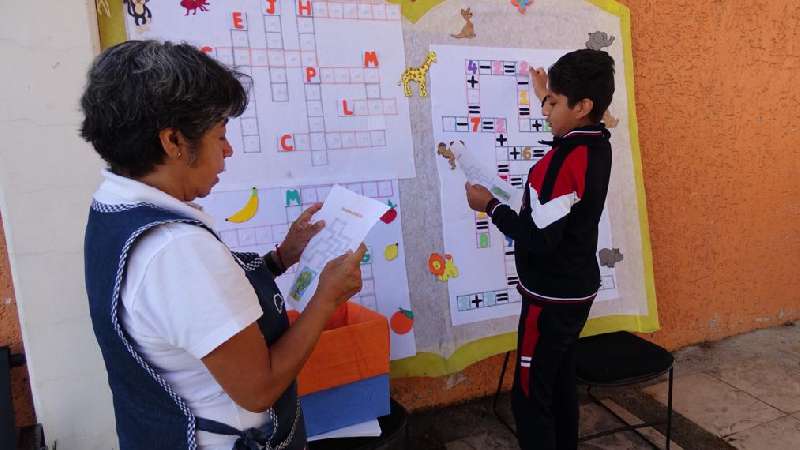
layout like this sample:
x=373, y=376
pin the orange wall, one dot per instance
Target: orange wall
x=719, y=134
x=717, y=97
x=10, y=336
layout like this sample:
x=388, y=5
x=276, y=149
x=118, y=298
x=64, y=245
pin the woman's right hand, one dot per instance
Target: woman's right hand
x=341, y=277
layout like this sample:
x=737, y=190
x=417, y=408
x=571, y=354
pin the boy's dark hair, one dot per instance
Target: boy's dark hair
x=138, y=88
x=584, y=74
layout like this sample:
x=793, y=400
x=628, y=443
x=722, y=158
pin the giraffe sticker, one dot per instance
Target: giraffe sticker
x=418, y=74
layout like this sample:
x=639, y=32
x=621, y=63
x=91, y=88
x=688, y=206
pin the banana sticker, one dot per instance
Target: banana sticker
x=248, y=210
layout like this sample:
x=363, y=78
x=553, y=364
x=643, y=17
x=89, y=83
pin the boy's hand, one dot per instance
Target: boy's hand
x=477, y=196
x=539, y=79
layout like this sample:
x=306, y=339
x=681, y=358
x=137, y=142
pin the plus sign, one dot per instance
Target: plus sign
x=477, y=302
x=514, y=152
x=536, y=124
x=501, y=140
x=472, y=81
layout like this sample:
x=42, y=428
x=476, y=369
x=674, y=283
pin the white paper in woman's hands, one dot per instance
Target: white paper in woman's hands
x=348, y=218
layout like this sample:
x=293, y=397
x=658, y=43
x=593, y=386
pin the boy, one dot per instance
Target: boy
x=555, y=242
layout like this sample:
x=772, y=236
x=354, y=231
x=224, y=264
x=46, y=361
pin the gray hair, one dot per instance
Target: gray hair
x=138, y=88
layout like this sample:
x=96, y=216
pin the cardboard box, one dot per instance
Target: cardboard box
x=346, y=379
x=346, y=405
x=353, y=347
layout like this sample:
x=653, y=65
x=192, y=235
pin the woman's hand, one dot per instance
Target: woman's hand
x=254, y=375
x=477, y=196
x=341, y=277
x=301, y=231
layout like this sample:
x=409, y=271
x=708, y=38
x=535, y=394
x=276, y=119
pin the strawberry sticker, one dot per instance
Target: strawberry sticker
x=389, y=216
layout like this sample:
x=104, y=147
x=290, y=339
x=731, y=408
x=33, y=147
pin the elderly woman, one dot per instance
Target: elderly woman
x=195, y=337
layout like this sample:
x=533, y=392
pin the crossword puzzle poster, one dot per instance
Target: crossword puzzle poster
x=325, y=106
x=383, y=270
x=483, y=98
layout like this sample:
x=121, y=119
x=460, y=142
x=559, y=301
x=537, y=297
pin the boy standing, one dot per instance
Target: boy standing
x=555, y=243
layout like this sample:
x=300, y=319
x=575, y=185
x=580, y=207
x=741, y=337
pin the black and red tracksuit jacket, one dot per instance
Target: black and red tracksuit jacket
x=555, y=231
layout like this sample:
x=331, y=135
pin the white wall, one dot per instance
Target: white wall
x=47, y=176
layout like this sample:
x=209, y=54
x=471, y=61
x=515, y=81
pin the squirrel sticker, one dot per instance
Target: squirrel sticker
x=447, y=154
x=468, y=30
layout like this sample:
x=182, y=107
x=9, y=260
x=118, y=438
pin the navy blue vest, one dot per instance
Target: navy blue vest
x=149, y=414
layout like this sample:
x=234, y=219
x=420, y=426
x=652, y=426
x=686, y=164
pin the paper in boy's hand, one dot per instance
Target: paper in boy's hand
x=348, y=218
x=477, y=173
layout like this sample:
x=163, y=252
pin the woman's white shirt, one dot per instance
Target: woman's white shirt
x=183, y=295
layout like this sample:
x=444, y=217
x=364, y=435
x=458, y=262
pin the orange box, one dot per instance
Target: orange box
x=354, y=346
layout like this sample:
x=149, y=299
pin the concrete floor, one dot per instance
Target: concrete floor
x=739, y=393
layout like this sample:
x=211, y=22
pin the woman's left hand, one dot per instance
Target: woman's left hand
x=301, y=231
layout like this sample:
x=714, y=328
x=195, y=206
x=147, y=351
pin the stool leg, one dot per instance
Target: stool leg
x=407, y=437
x=669, y=409
x=500, y=381
x=497, y=394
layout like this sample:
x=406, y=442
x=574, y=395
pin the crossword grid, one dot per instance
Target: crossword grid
x=482, y=236
x=473, y=122
x=360, y=10
x=248, y=121
x=269, y=235
x=277, y=59
x=488, y=299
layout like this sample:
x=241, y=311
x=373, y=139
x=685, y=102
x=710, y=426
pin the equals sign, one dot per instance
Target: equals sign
x=501, y=297
x=482, y=225
x=538, y=152
x=510, y=68
x=516, y=181
x=513, y=281
x=524, y=110
x=502, y=168
x=474, y=109
x=488, y=125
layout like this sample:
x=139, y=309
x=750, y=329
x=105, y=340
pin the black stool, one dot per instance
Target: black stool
x=25, y=438
x=394, y=434
x=8, y=430
x=621, y=359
